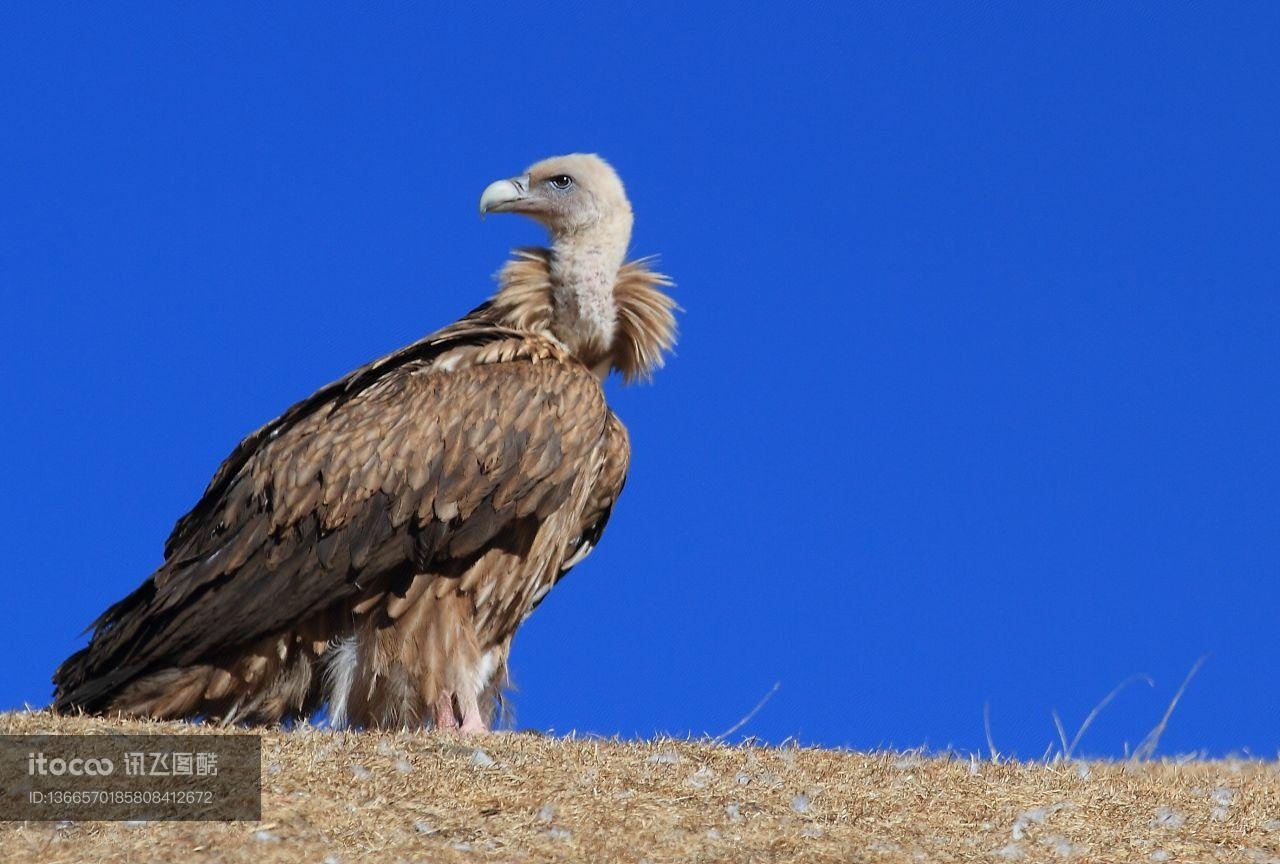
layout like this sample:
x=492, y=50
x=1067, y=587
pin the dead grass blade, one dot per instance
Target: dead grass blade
x=986, y=726
x=1147, y=748
x=1097, y=709
x=750, y=714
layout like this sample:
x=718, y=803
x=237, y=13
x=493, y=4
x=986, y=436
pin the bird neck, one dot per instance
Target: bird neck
x=583, y=269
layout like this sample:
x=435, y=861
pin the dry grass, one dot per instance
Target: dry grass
x=353, y=797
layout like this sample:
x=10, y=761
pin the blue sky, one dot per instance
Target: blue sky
x=976, y=396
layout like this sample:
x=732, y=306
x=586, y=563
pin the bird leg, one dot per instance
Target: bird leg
x=469, y=706
x=445, y=718
x=472, y=720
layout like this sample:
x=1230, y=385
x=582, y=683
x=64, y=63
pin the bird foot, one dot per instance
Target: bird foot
x=445, y=718
x=472, y=726
x=472, y=722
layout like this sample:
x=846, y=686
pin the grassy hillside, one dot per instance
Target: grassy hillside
x=354, y=797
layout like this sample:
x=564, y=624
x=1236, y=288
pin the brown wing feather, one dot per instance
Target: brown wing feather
x=467, y=332
x=423, y=456
x=604, y=494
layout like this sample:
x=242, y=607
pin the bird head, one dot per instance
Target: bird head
x=568, y=194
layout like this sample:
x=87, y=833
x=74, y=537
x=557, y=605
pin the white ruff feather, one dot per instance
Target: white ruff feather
x=644, y=328
x=340, y=677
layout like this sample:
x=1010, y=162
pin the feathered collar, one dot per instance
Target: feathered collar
x=646, y=323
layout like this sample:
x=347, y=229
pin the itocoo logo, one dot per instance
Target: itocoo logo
x=37, y=763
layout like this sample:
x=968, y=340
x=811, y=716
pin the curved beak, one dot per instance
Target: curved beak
x=504, y=195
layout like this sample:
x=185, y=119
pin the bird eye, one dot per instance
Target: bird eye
x=561, y=181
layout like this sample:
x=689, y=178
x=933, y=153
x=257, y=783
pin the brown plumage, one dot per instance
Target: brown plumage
x=376, y=546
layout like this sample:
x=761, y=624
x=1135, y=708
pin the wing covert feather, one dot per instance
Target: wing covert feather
x=420, y=465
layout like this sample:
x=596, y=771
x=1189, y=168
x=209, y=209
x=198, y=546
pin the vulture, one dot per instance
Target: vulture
x=374, y=548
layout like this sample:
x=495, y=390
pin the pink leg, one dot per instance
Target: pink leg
x=472, y=720
x=445, y=718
